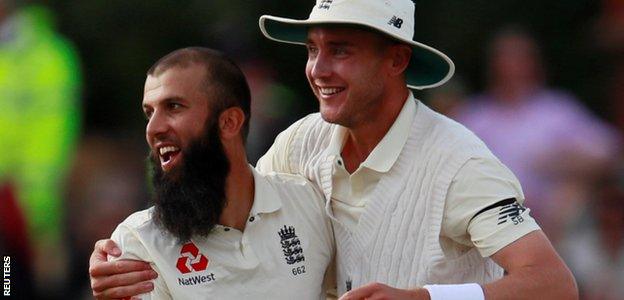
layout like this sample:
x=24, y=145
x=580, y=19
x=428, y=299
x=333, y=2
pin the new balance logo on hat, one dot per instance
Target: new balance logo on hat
x=324, y=4
x=396, y=22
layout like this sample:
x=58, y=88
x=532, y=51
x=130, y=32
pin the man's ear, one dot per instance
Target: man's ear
x=400, y=56
x=231, y=121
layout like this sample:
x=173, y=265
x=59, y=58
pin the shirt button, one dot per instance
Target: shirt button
x=340, y=162
x=251, y=219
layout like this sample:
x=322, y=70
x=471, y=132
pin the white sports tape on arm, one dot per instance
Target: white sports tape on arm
x=467, y=291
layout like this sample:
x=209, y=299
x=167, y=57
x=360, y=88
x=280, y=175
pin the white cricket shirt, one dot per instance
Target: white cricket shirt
x=478, y=183
x=282, y=254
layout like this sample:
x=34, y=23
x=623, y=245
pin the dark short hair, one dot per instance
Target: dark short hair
x=224, y=82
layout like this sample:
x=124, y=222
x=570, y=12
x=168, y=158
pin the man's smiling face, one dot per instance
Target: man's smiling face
x=345, y=70
x=177, y=107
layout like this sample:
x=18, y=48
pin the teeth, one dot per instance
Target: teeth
x=330, y=91
x=168, y=149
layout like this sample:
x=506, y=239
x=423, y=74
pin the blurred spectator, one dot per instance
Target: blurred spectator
x=14, y=244
x=448, y=99
x=610, y=38
x=39, y=117
x=105, y=184
x=594, y=248
x=552, y=143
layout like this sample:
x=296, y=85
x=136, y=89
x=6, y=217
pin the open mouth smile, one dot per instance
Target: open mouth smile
x=327, y=92
x=169, y=155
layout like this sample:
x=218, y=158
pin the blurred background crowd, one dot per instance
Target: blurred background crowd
x=541, y=82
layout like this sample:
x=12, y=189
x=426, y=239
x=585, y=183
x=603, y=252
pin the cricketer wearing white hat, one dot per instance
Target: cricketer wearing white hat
x=416, y=199
x=428, y=67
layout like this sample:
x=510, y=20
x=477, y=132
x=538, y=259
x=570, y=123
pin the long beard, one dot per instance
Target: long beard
x=189, y=202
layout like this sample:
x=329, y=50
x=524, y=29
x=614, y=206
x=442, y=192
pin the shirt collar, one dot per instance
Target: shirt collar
x=266, y=199
x=387, y=151
x=337, y=140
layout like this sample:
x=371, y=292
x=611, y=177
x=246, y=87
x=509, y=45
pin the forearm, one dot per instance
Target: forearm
x=534, y=271
x=533, y=283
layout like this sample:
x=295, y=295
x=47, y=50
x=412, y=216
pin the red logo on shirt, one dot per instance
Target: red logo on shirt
x=191, y=260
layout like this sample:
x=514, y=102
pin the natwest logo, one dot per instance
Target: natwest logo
x=191, y=260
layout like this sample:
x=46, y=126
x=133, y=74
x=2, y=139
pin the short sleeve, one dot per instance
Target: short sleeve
x=131, y=248
x=484, y=207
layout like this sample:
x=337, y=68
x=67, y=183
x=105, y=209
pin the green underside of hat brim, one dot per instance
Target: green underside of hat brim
x=426, y=68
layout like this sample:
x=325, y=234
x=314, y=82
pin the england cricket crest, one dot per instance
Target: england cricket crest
x=291, y=246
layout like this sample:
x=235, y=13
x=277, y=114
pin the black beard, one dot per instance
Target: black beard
x=189, y=201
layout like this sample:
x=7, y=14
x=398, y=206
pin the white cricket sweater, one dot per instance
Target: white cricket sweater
x=397, y=240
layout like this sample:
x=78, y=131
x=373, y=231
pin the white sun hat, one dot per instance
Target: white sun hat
x=395, y=18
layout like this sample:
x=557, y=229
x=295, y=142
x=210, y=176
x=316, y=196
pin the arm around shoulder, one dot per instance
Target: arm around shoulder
x=116, y=268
